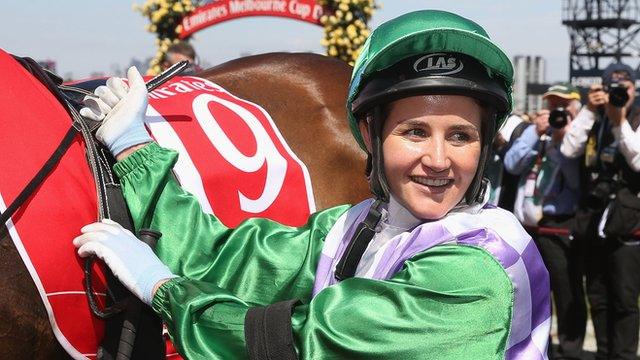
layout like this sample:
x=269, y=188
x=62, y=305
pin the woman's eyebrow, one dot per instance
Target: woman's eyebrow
x=422, y=123
x=464, y=127
x=413, y=122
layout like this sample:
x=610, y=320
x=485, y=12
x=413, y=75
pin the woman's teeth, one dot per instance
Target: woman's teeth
x=430, y=182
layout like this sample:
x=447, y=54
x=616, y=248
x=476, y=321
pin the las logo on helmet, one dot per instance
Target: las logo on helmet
x=438, y=64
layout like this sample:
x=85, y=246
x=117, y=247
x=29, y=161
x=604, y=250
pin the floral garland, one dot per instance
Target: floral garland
x=165, y=17
x=345, y=31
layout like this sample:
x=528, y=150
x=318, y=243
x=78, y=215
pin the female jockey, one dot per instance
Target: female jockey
x=423, y=270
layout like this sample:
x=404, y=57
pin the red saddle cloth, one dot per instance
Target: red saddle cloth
x=232, y=157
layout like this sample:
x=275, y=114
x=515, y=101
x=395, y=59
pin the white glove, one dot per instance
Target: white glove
x=131, y=261
x=121, y=109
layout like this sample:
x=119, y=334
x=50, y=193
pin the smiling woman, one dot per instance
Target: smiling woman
x=432, y=148
x=425, y=269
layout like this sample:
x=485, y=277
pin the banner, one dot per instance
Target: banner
x=223, y=10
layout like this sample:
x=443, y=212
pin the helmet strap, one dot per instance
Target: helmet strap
x=475, y=193
x=365, y=231
x=377, y=178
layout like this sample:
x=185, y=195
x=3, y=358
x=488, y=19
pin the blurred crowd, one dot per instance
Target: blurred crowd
x=570, y=173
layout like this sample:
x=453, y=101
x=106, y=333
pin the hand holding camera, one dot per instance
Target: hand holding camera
x=596, y=98
x=612, y=98
x=616, y=109
x=542, y=122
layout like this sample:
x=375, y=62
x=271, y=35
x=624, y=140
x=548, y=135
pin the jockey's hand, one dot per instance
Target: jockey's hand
x=121, y=108
x=131, y=261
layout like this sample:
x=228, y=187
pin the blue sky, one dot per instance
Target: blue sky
x=98, y=35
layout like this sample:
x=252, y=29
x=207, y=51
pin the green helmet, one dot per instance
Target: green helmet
x=428, y=52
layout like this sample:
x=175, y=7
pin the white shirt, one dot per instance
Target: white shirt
x=395, y=220
x=509, y=125
x=575, y=140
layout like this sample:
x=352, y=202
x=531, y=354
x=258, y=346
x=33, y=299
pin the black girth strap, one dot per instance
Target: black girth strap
x=267, y=332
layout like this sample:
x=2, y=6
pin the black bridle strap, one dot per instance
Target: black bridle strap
x=120, y=332
x=40, y=176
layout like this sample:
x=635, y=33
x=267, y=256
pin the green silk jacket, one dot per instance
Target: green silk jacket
x=448, y=302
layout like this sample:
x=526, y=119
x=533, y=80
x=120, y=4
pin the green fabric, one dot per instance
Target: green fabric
x=422, y=32
x=257, y=255
x=447, y=303
x=450, y=302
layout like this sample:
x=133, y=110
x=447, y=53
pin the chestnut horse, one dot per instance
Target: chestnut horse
x=304, y=94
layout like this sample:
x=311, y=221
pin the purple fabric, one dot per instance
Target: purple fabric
x=501, y=250
x=540, y=285
x=421, y=238
x=531, y=303
x=382, y=269
x=525, y=350
x=324, y=271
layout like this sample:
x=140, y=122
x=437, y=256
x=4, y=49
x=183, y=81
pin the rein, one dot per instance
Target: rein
x=126, y=315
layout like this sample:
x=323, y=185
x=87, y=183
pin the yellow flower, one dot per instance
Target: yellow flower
x=349, y=16
x=352, y=31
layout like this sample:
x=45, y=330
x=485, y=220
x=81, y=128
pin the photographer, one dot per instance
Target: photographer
x=606, y=133
x=547, y=199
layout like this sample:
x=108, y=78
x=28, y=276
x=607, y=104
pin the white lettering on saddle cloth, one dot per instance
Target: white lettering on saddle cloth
x=232, y=156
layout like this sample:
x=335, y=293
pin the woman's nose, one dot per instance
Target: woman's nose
x=435, y=155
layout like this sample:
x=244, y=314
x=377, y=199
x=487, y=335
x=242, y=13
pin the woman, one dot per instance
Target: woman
x=424, y=270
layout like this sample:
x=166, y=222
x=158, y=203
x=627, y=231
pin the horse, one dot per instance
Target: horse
x=305, y=95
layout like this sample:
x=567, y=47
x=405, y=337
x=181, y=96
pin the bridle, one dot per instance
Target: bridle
x=126, y=315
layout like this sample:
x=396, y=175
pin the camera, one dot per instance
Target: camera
x=599, y=194
x=558, y=118
x=618, y=96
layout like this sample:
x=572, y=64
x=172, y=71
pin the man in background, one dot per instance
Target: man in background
x=605, y=136
x=178, y=52
x=547, y=200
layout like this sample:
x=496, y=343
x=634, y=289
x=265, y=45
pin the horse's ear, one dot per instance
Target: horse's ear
x=364, y=130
